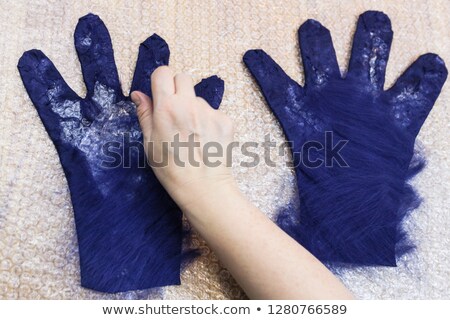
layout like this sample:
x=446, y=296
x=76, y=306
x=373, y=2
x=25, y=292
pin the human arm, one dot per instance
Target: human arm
x=265, y=261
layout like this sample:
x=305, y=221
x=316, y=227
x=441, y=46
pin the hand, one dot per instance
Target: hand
x=176, y=116
x=262, y=258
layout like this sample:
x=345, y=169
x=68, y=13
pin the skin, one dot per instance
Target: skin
x=265, y=261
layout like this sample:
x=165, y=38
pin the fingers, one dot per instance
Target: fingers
x=96, y=55
x=144, y=110
x=163, y=84
x=318, y=55
x=184, y=85
x=269, y=75
x=371, y=46
x=284, y=95
x=415, y=92
x=153, y=53
x=52, y=97
x=211, y=89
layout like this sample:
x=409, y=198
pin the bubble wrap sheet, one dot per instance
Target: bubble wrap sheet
x=38, y=246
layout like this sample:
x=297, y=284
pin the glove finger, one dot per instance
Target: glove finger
x=284, y=95
x=370, y=51
x=54, y=100
x=415, y=92
x=318, y=55
x=96, y=54
x=211, y=89
x=153, y=52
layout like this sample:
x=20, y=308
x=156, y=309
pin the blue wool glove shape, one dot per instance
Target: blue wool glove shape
x=352, y=141
x=129, y=229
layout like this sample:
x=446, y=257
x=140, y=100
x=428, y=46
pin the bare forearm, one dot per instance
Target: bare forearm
x=265, y=261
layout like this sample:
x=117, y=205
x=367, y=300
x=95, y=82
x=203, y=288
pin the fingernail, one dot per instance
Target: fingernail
x=135, y=97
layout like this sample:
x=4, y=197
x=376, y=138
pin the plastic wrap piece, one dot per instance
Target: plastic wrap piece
x=352, y=141
x=129, y=229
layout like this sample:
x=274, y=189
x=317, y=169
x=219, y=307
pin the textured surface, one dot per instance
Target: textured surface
x=129, y=231
x=352, y=142
x=38, y=255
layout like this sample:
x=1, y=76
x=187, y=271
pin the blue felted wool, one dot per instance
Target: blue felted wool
x=129, y=229
x=352, y=141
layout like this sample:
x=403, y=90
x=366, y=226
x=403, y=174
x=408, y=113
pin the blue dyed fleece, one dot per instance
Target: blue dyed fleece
x=129, y=229
x=351, y=206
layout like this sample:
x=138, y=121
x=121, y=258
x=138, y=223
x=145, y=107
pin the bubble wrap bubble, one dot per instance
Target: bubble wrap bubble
x=38, y=247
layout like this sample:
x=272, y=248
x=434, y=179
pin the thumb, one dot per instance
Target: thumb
x=144, y=110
